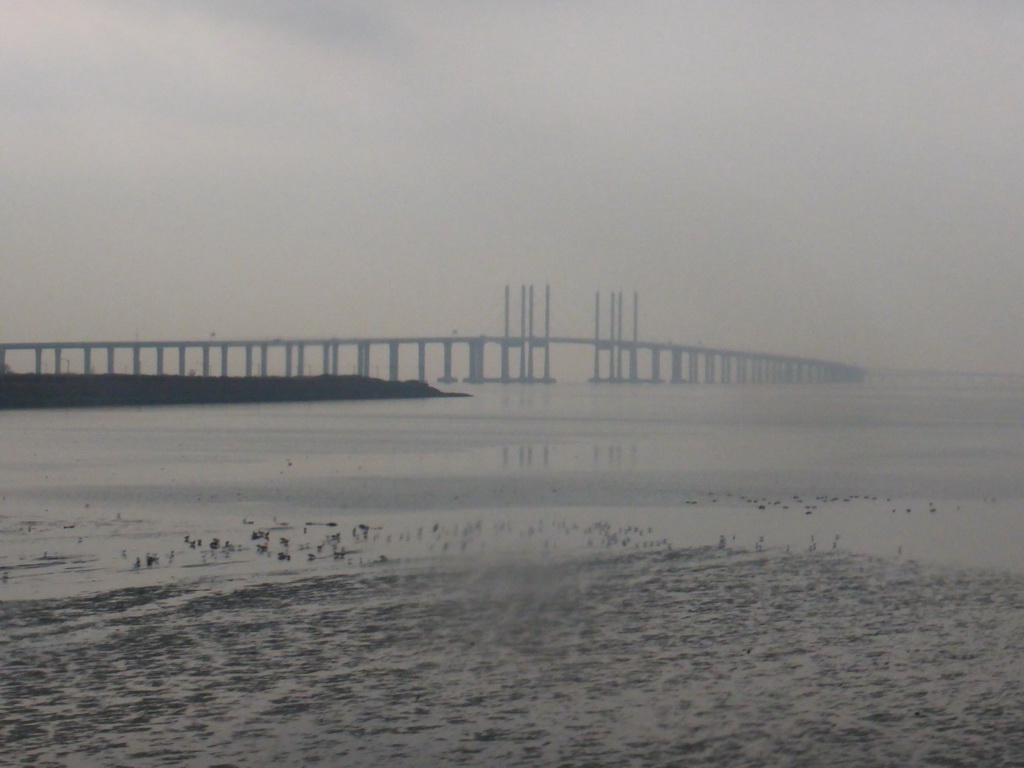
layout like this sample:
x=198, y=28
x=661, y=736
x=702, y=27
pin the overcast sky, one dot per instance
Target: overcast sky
x=836, y=179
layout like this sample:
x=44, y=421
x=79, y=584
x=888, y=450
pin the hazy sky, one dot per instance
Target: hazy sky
x=837, y=179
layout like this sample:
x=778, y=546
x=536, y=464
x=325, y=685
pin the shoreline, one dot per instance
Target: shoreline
x=20, y=391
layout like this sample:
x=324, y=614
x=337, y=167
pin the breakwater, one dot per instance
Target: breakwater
x=94, y=390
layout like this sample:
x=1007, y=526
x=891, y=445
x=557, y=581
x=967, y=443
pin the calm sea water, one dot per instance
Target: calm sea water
x=568, y=575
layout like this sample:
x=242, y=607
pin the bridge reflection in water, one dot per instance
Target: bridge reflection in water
x=524, y=356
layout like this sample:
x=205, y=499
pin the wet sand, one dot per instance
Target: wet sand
x=515, y=639
x=699, y=656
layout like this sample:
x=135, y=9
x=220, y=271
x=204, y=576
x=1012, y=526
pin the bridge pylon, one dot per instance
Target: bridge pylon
x=527, y=351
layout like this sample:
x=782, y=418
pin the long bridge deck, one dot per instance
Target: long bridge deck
x=479, y=359
x=523, y=357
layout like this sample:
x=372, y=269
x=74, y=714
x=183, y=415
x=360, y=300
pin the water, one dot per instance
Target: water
x=548, y=575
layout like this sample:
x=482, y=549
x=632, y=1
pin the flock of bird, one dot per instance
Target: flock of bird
x=365, y=544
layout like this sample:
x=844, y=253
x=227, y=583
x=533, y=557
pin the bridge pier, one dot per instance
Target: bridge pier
x=505, y=354
x=615, y=336
x=447, y=378
x=476, y=363
x=363, y=358
x=655, y=365
x=393, y=361
x=505, y=349
x=677, y=366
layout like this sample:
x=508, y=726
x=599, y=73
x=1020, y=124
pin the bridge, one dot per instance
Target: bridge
x=522, y=355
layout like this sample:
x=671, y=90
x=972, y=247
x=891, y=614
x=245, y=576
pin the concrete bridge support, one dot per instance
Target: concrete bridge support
x=505, y=355
x=393, y=361
x=363, y=358
x=447, y=378
x=476, y=363
x=677, y=366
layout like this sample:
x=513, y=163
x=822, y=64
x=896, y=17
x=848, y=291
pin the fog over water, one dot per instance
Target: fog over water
x=836, y=180
x=606, y=575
